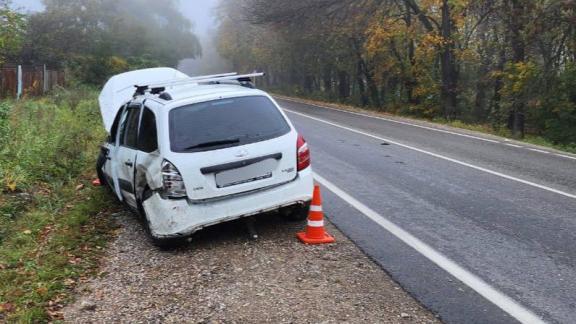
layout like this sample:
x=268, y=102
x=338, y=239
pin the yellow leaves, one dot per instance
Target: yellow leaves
x=434, y=39
x=11, y=185
x=42, y=290
x=117, y=64
x=380, y=34
x=517, y=76
x=467, y=55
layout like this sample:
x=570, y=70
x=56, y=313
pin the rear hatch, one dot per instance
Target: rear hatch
x=231, y=146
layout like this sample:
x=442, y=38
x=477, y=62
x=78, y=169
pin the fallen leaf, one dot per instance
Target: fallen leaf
x=55, y=314
x=6, y=308
x=80, y=186
x=12, y=186
x=27, y=232
x=69, y=282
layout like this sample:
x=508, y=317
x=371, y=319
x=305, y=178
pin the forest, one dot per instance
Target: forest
x=95, y=39
x=509, y=65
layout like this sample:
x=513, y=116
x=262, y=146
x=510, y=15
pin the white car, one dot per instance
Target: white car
x=194, y=152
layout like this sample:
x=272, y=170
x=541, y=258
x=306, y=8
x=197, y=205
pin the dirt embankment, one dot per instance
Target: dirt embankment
x=222, y=277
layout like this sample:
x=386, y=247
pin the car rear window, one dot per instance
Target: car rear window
x=224, y=123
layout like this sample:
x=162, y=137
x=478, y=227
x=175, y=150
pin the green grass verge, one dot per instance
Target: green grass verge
x=530, y=139
x=54, y=225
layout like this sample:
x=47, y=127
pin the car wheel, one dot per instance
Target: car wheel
x=99, y=164
x=162, y=243
x=296, y=213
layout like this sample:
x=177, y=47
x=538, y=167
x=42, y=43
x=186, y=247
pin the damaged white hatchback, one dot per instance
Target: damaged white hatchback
x=186, y=153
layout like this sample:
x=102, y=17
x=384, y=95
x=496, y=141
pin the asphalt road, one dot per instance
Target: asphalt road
x=503, y=212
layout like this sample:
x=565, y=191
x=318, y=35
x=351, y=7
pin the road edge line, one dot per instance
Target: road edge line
x=496, y=297
x=498, y=174
x=504, y=140
x=395, y=121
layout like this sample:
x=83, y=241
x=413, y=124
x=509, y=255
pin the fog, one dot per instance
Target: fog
x=201, y=15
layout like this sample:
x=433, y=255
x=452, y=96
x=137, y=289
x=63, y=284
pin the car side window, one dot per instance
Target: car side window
x=129, y=130
x=114, y=128
x=148, y=135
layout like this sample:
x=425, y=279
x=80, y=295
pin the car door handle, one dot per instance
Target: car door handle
x=130, y=164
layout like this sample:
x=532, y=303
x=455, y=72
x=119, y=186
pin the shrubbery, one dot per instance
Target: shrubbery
x=53, y=225
x=48, y=140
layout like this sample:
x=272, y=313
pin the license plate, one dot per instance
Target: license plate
x=254, y=172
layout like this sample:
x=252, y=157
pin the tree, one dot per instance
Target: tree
x=508, y=63
x=93, y=36
x=12, y=26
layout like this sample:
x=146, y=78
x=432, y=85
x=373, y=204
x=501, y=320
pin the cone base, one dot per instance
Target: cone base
x=307, y=240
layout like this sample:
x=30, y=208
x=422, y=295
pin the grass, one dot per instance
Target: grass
x=53, y=224
x=481, y=128
x=529, y=138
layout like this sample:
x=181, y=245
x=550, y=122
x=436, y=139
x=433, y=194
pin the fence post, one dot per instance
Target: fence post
x=44, y=80
x=19, y=91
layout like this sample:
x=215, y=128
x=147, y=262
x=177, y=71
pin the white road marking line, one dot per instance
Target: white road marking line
x=566, y=156
x=425, y=127
x=492, y=294
x=396, y=121
x=540, y=151
x=502, y=175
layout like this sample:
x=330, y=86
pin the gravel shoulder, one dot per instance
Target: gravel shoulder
x=222, y=277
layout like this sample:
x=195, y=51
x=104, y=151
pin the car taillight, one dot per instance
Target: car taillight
x=172, y=181
x=303, y=153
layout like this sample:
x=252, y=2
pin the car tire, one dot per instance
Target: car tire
x=296, y=213
x=99, y=164
x=161, y=243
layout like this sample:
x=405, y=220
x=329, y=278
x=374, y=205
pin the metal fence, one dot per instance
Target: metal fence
x=28, y=80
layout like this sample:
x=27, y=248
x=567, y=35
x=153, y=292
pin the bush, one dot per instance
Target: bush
x=48, y=140
x=559, y=115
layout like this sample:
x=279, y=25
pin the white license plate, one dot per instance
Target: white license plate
x=249, y=173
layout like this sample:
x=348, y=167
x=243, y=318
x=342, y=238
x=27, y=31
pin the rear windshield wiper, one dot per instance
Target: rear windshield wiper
x=213, y=143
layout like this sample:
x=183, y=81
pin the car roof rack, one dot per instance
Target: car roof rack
x=207, y=80
x=244, y=80
x=140, y=89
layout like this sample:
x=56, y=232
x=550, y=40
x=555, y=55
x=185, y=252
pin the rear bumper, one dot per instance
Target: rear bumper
x=178, y=218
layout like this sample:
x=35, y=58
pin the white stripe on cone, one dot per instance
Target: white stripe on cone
x=315, y=208
x=315, y=223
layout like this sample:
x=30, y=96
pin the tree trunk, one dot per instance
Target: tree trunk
x=309, y=84
x=410, y=81
x=516, y=118
x=361, y=85
x=448, y=67
x=496, y=111
x=327, y=80
x=482, y=84
x=343, y=86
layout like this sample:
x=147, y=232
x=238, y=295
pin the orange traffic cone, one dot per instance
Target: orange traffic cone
x=315, y=233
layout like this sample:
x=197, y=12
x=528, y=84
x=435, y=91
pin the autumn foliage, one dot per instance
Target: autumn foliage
x=510, y=64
